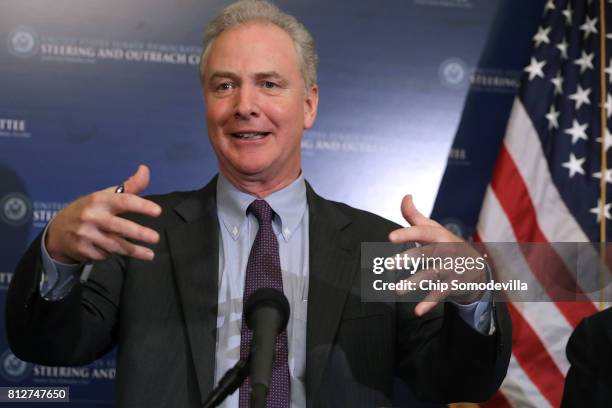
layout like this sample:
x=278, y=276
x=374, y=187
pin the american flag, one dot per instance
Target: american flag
x=547, y=184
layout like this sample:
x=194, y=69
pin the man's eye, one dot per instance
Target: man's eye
x=225, y=86
x=269, y=85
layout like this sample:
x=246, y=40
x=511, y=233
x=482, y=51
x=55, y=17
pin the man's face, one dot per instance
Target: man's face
x=256, y=105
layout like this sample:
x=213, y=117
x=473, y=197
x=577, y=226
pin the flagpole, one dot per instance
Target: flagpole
x=603, y=117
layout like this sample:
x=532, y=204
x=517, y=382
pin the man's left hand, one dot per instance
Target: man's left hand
x=432, y=236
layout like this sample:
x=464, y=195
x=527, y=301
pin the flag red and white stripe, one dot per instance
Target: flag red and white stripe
x=523, y=205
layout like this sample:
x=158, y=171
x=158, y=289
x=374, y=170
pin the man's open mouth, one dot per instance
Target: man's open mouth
x=250, y=135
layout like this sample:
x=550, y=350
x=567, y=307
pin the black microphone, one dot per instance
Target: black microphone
x=266, y=313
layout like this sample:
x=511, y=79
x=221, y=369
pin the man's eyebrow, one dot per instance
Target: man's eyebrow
x=224, y=74
x=258, y=76
x=271, y=75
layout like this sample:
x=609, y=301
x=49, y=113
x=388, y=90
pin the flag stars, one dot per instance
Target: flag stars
x=608, y=106
x=535, y=68
x=553, y=118
x=581, y=97
x=542, y=36
x=609, y=71
x=562, y=47
x=608, y=175
x=589, y=27
x=558, y=83
x=574, y=165
x=568, y=14
x=550, y=5
x=599, y=210
x=577, y=131
x=585, y=61
x=607, y=140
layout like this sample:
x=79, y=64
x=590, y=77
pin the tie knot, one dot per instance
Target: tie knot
x=262, y=211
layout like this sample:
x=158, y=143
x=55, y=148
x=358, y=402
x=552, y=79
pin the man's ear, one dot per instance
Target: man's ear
x=311, y=104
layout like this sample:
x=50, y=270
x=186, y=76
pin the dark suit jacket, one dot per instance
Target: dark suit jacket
x=162, y=315
x=589, y=350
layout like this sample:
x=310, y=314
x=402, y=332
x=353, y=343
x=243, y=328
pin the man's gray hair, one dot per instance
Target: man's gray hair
x=246, y=11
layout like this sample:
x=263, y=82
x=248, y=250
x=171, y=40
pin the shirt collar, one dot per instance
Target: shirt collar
x=289, y=205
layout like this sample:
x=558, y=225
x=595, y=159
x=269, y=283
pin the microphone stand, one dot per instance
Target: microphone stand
x=229, y=383
x=266, y=313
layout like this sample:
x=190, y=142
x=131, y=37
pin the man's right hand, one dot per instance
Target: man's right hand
x=90, y=229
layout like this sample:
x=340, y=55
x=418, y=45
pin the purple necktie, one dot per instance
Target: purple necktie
x=264, y=271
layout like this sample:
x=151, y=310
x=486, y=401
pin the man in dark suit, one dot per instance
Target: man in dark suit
x=173, y=305
x=589, y=351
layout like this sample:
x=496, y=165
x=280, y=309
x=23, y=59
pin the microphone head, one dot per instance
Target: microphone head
x=267, y=297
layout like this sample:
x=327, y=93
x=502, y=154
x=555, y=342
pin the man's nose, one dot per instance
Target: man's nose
x=246, y=103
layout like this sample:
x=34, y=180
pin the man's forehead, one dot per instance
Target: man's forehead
x=252, y=50
x=232, y=74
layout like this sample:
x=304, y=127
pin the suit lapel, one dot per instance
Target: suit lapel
x=194, y=248
x=333, y=260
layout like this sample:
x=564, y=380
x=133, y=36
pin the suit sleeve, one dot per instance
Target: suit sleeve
x=75, y=330
x=446, y=360
x=588, y=350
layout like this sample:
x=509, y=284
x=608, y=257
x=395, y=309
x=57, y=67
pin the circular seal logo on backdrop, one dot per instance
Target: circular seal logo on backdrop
x=453, y=73
x=455, y=226
x=23, y=42
x=15, y=209
x=12, y=368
